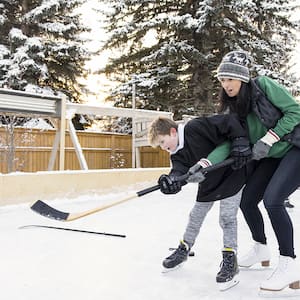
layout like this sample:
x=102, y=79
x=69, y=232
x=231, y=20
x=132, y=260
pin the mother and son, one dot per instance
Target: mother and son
x=258, y=128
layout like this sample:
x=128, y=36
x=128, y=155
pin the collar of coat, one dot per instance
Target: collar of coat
x=180, y=132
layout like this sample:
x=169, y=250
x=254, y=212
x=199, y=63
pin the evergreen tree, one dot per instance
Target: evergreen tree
x=176, y=72
x=40, y=46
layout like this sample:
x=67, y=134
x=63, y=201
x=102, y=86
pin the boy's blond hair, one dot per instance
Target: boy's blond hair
x=160, y=126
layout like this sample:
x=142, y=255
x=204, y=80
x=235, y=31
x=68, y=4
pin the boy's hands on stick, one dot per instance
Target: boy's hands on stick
x=169, y=184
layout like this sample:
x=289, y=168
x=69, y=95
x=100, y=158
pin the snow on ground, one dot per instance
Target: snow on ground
x=51, y=264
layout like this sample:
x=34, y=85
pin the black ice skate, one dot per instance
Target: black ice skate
x=177, y=257
x=228, y=274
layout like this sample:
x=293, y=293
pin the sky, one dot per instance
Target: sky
x=98, y=84
x=49, y=264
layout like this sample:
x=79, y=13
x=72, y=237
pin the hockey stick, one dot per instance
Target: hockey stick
x=72, y=229
x=45, y=210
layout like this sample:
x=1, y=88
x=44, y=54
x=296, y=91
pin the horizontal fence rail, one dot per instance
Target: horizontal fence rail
x=29, y=150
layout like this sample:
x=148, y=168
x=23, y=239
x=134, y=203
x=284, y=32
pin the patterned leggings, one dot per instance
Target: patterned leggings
x=227, y=219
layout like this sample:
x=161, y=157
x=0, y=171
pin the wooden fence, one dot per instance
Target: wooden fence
x=29, y=150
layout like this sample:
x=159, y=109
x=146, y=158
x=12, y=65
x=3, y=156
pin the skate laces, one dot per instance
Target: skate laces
x=182, y=250
x=227, y=264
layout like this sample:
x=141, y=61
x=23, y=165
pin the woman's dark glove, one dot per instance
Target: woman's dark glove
x=240, y=152
x=168, y=184
x=195, y=172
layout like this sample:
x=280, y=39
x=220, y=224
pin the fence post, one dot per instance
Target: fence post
x=62, y=133
x=133, y=126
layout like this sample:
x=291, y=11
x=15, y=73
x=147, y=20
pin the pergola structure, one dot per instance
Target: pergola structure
x=140, y=121
x=23, y=103
x=30, y=104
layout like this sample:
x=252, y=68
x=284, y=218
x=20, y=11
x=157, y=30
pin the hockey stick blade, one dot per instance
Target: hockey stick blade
x=47, y=211
x=74, y=230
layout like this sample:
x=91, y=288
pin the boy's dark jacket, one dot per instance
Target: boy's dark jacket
x=202, y=136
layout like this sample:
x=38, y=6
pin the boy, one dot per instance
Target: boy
x=198, y=144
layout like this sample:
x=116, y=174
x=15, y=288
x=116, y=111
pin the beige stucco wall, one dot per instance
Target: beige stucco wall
x=28, y=187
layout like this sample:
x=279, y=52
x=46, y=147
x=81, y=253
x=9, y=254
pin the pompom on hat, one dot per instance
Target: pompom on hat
x=234, y=65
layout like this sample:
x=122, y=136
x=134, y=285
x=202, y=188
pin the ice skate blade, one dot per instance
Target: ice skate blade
x=169, y=270
x=224, y=286
x=294, y=286
x=285, y=293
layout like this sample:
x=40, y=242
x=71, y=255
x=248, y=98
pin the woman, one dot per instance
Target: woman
x=272, y=116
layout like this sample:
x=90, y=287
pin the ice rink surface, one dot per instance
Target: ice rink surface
x=51, y=264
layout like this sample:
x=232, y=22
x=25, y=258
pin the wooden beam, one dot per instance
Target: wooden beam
x=87, y=109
